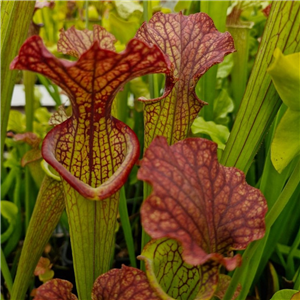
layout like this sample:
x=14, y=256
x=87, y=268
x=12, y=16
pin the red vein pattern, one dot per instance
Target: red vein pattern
x=91, y=150
x=208, y=208
x=193, y=45
x=170, y=276
x=55, y=289
x=123, y=284
x=75, y=42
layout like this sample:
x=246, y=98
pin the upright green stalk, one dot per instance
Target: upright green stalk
x=29, y=81
x=126, y=227
x=120, y=105
x=217, y=10
x=92, y=232
x=15, y=20
x=5, y=272
x=261, y=101
x=87, y=14
x=297, y=281
x=153, y=78
x=250, y=272
x=240, y=32
x=48, y=209
x=153, y=89
x=15, y=238
x=290, y=266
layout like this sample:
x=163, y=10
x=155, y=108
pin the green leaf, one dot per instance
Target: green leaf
x=218, y=133
x=123, y=30
x=126, y=8
x=225, y=67
x=286, y=143
x=223, y=105
x=285, y=73
x=139, y=88
x=16, y=121
x=9, y=211
x=284, y=294
x=182, y=5
x=41, y=124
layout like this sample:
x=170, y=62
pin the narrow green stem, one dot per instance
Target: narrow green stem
x=284, y=197
x=47, y=24
x=280, y=256
x=14, y=239
x=297, y=281
x=147, y=6
x=239, y=76
x=208, y=92
x=290, y=268
x=127, y=227
x=29, y=81
x=28, y=197
x=120, y=106
x=254, y=262
x=5, y=272
x=207, y=84
x=285, y=250
x=152, y=78
x=47, y=211
x=52, y=89
x=154, y=92
x=87, y=14
x=92, y=232
x=238, y=274
x=194, y=7
x=145, y=237
x=8, y=181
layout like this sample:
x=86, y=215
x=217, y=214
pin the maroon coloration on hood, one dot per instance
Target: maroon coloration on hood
x=123, y=284
x=91, y=150
x=55, y=289
x=193, y=45
x=208, y=208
